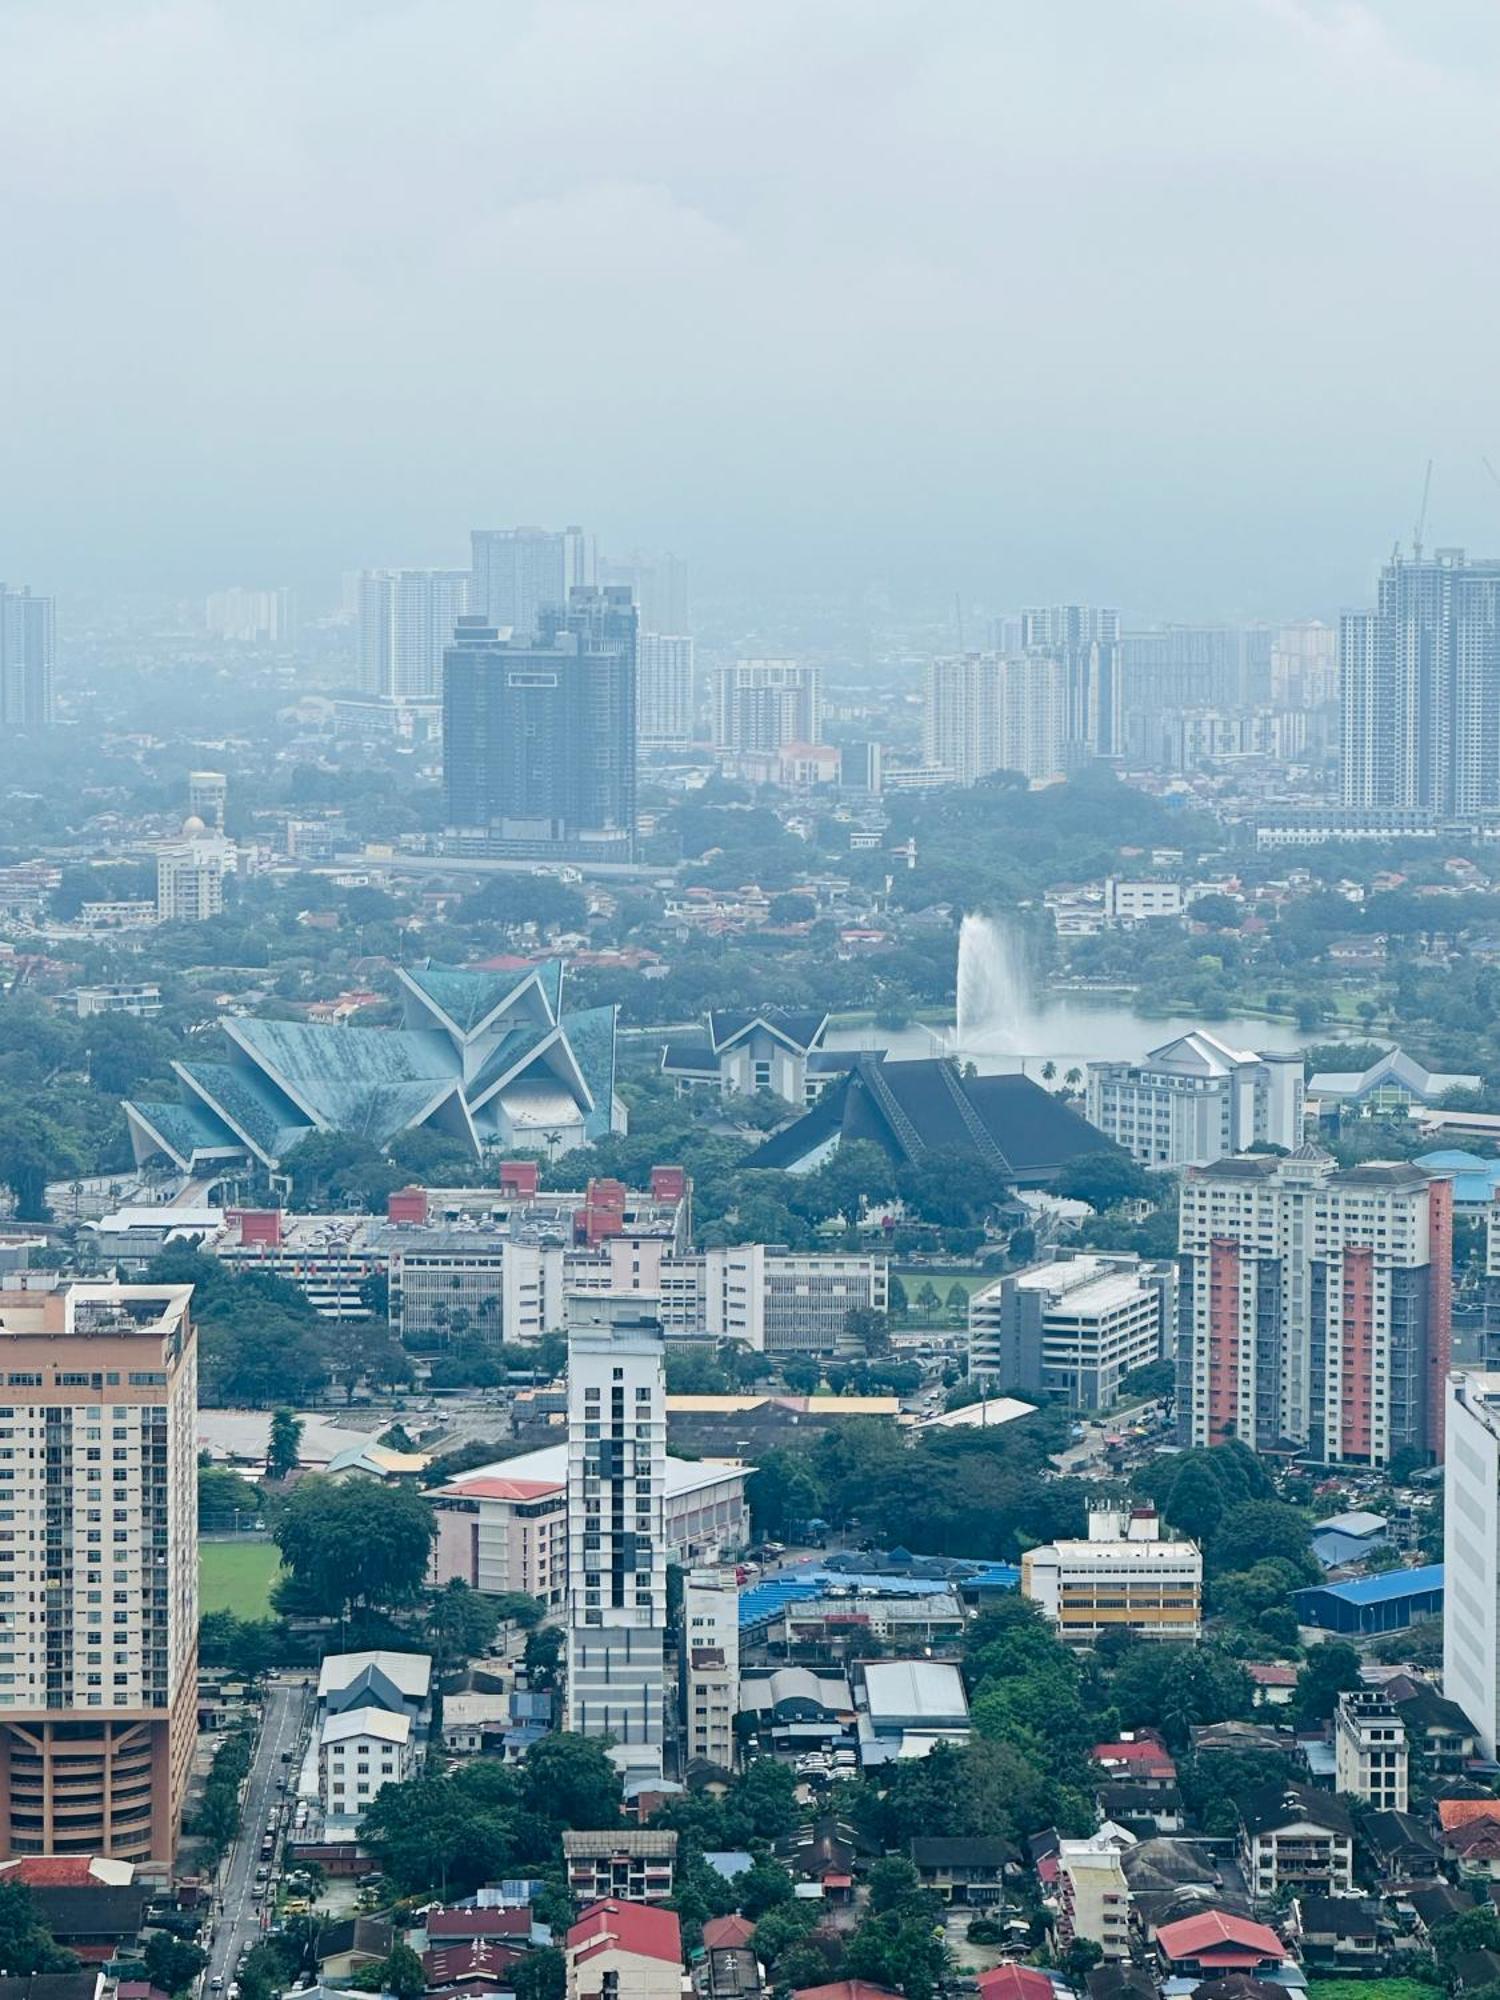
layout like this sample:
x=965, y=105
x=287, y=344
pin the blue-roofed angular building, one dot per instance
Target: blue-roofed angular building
x=490, y=1059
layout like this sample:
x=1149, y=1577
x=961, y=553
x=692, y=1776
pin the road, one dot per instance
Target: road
x=281, y=1726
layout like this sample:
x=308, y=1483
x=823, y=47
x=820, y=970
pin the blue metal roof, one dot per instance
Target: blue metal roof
x=1383, y=1589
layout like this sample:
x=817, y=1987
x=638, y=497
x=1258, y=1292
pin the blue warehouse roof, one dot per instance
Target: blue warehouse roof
x=1386, y=1588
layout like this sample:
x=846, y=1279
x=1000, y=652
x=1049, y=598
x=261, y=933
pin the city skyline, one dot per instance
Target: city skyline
x=1218, y=428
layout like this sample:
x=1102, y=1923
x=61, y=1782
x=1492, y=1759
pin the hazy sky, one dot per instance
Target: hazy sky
x=1164, y=301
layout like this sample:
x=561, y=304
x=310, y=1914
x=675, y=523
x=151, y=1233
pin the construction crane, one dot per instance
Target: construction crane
x=1489, y=468
x=1421, y=528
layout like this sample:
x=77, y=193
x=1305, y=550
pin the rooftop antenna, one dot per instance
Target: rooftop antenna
x=1420, y=529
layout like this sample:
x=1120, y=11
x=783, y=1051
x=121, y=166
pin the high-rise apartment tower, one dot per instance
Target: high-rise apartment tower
x=1421, y=688
x=617, y=1566
x=1315, y=1306
x=517, y=573
x=99, y=1562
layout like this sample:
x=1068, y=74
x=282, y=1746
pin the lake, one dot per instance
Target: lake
x=1072, y=1031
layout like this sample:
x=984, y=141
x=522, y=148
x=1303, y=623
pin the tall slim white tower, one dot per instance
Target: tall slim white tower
x=617, y=1564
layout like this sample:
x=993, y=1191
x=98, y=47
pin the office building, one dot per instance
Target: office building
x=190, y=875
x=99, y=1615
x=1421, y=688
x=703, y=1513
x=617, y=1565
x=1125, y=1575
x=252, y=617
x=27, y=641
x=539, y=738
x=518, y=573
x=987, y=712
x=666, y=694
x=1315, y=1306
x=406, y=624
x=1471, y=1552
x=1370, y=1751
x=1195, y=1099
x=1085, y=641
x=1073, y=1329
x=208, y=798
x=709, y=1663
x=765, y=705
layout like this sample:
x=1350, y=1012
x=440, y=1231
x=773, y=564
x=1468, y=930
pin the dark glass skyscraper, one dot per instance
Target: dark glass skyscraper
x=26, y=628
x=539, y=735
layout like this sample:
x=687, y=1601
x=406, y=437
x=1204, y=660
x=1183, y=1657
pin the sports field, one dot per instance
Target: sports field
x=237, y=1577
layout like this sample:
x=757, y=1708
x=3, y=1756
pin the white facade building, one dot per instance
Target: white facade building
x=986, y=712
x=710, y=1660
x=1370, y=1751
x=617, y=1564
x=1471, y=1552
x=1128, y=902
x=357, y=1754
x=1074, y=1328
x=1124, y=1575
x=1195, y=1099
x=1093, y=1893
x=406, y=619
x=665, y=691
x=763, y=705
x=190, y=875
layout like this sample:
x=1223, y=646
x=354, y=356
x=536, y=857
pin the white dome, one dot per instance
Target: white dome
x=192, y=824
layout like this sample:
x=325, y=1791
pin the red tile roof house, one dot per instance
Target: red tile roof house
x=1475, y=1845
x=1015, y=1982
x=468, y=1963
x=1141, y=1757
x=633, y=1949
x=727, y=1933
x=845, y=1989
x=1199, y=1947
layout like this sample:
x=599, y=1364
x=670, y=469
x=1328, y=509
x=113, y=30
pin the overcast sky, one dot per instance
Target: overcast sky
x=1160, y=301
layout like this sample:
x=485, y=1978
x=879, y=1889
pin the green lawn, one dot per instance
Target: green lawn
x=1369, y=1989
x=237, y=1577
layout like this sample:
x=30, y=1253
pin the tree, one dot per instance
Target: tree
x=762, y=1886
x=542, y=1656
x=1079, y=1960
x=539, y=1975
x=462, y=1623
x=899, y=1948
x=570, y=1779
x=1262, y=1530
x=402, y=1973
x=172, y=1963
x=1103, y=1179
x=1330, y=1670
x=352, y=1544
x=893, y=1881
x=225, y=1500
x=26, y=1944
x=285, y=1444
